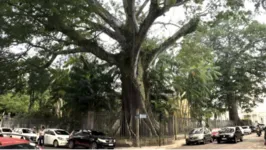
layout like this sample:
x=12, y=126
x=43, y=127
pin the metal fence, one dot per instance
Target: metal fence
x=167, y=127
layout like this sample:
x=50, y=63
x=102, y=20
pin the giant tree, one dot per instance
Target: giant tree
x=62, y=27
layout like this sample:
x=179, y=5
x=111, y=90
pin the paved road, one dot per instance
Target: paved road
x=250, y=142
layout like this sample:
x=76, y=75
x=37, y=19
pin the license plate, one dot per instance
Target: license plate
x=224, y=138
x=111, y=144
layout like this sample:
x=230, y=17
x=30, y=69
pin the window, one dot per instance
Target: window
x=26, y=131
x=97, y=133
x=228, y=130
x=196, y=131
x=61, y=132
x=6, y=130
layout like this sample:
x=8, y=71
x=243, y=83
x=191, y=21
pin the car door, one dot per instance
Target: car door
x=47, y=136
x=52, y=137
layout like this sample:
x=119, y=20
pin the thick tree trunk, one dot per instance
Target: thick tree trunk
x=32, y=100
x=233, y=108
x=130, y=108
x=134, y=103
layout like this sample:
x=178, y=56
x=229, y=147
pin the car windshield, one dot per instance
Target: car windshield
x=196, y=131
x=97, y=133
x=227, y=130
x=6, y=130
x=26, y=131
x=61, y=132
x=244, y=127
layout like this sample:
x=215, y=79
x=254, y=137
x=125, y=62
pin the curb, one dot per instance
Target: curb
x=176, y=144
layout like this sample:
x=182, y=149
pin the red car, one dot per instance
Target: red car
x=215, y=133
x=13, y=143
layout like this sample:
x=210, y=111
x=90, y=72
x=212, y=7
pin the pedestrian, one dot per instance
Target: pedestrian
x=41, y=136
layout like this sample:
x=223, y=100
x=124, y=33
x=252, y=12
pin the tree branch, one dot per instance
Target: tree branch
x=71, y=51
x=105, y=15
x=131, y=22
x=115, y=35
x=47, y=64
x=141, y=8
x=89, y=44
x=186, y=29
x=154, y=12
x=165, y=24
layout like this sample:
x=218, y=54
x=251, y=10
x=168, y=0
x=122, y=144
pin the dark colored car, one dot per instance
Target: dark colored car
x=13, y=143
x=227, y=134
x=253, y=128
x=90, y=139
x=199, y=135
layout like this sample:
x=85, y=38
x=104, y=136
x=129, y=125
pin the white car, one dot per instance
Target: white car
x=247, y=129
x=56, y=137
x=5, y=131
x=242, y=130
x=25, y=132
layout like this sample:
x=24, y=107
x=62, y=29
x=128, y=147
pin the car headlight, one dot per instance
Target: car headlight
x=231, y=135
x=59, y=138
x=102, y=140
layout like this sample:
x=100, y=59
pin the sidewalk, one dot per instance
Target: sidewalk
x=176, y=144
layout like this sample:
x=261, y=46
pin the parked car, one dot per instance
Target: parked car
x=199, y=135
x=230, y=134
x=253, y=128
x=90, y=139
x=5, y=132
x=13, y=143
x=241, y=129
x=25, y=133
x=56, y=137
x=246, y=129
x=215, y=133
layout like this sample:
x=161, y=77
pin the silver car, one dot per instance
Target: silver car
x=199, y=136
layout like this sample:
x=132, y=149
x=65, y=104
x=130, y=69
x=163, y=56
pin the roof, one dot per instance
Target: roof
x=5, y=128
x=53, y=129
x=230, y=127
x=5, y=141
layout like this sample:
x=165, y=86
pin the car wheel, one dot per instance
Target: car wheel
x=71, y=144
x=187, y=143
x=93, y=145
x=55, y=143
x=218, y=141
x=204, y=141
x=211, y=140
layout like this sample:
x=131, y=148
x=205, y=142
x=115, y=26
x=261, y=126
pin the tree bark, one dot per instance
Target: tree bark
x=134, y=103
x=233, y=108
x=32, y=100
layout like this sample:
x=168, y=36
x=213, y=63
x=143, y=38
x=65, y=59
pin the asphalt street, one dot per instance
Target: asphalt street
x=250, y=142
